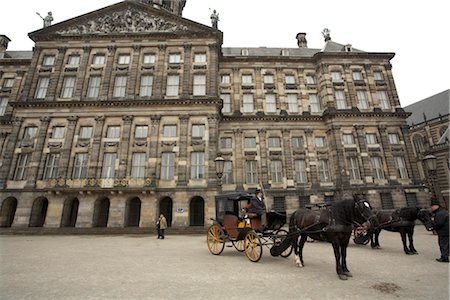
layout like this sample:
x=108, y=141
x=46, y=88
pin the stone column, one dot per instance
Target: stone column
x=366, y=168
x=154, y=154
x=213, y=70
x=116, y=211
x=124, y=146
x=8, y=165
x=107, y=88
x=133, y=74
x=96, y=145
x=54, y=210
x=161, y=73
x=212, y=149
x=182, y=170
x=264, y=175
x=411, y=166
x=85, y=211
x=32, y=76
x=239, y=161
x=56, y=77
x=287, y=157
x=187, y=72
x=388, y=157
x=37, y=163
x=82, y=80
x=67, y=148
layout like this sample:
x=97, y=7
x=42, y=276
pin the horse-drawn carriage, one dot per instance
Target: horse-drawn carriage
x=246, y=234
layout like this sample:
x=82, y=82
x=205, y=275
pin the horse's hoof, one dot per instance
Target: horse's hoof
x=409, y=253
x=342, y=277
x=415, y=252
x=299, y=265
x=376, y=247
x=348, y=274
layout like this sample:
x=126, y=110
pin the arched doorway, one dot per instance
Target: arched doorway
x=8, y=212
x=101, y=213
x=38, y=212
x=165, y=207
x=133, y=212
x=197, y=212
x=70, y=213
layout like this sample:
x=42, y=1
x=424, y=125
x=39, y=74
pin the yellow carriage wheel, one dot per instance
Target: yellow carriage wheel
x=253, y=246
x=215, y=239
x=239, y=245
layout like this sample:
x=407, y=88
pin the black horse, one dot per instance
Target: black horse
x=332, y=224
x=402, y=221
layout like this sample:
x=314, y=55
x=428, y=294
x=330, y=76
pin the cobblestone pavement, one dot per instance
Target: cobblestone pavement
x=181, y=267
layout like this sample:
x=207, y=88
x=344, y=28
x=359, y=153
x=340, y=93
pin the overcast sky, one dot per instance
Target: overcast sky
x=417, y=31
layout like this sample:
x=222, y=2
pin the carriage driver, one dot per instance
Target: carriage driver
x=257, y=207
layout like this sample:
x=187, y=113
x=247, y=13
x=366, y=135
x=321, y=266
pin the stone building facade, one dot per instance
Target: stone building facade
x=118, y=115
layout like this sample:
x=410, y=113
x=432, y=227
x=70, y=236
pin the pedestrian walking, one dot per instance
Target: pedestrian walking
x=161, y=225
x=440, y=218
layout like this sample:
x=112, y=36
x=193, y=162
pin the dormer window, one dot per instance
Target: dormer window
x=285, y=52
x=244, y=52
x=48, y=61
x=348, y=48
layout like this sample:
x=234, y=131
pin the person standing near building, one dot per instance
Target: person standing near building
x=440, y=217
x=162, y=225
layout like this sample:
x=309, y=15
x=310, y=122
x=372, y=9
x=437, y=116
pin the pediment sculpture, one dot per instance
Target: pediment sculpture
x=130, y=20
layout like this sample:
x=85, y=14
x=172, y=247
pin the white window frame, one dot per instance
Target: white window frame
x=149, y=59
x=378, y=76
x=124, y=59
x=58, y=132
x=175, y=58
x=20, y=173
x=85, y=132
x=276, y=171
x=173, y=85
x=310, y=79
x=51, y=166
x=269, y=79
x=371, y=139
x=200, y=58
x=226, y=143
x=249, y=143
x=199, y=85
x=146, y=88
x=3, y=105
x=30, y=133
x=336, y=77
x=227, y=177
x=247, y=79
x=271, y=103
x=292, y=101
x=377, y=167
x=314, y=103
x=113, y=132
x=170, y=131
x=324, y=170
x=348, y=139
x=341, y=102
x=353, y=168
x=48, y=61
x=141, y=132
x=120, y=86
x=394, y=139
x=226, y=98
x=274, y=142
x=68, y=87
x=198, y=131
x=8, y=83
x=251, y=172
x=167, y=166
x=357, y=75
x=225, y=79
x=99, y=59
x=320, y=142
x=138, y=161
x=298, y=142
x=197, y=165
x=80, y=166
x=289, y=79
x=248, y=104
x=300, y=171
x=42, y=88
x=94, y=87
x=109, y=165
x=383, y=99
x=363, y=102
x=400, y=166
x=73, y=60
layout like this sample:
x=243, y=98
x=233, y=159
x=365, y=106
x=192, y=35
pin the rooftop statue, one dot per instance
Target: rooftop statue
x=215, y=19
x=47, y=20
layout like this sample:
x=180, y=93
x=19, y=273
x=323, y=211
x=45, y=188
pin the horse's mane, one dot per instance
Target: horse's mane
x=342, y=211
x=409, y=213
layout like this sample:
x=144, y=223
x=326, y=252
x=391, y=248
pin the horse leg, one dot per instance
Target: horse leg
x=295, y=246
x=411, y=242
x=376, y=242
x=337, y=256
x=403, y=235
x=344, y=245
x=299, y=255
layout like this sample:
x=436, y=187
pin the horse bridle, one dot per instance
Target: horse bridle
x=366, y=204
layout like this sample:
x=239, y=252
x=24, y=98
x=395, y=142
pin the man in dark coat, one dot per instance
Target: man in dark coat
x=258, y=207
x=440, y=217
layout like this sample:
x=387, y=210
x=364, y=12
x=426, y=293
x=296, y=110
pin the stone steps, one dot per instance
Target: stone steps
x=98, y=231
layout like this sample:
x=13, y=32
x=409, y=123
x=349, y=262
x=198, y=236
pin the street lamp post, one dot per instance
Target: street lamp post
x=430, y=164
x=220, y=164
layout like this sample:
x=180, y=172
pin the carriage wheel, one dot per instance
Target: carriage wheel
x=215, y=239
x=281, y=235
x=360, y=237
x=239, y=245
x=253, y=246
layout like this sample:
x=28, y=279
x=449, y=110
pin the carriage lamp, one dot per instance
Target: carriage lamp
x=220, y=163
x=430, y=162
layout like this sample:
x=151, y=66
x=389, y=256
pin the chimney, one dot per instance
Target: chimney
x=4, y=40
x=301, y=40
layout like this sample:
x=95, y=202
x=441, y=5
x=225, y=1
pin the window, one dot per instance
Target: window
x=371, y=139
x=225, y=79
x=271, y=105
x=42, y=87
x=378, y=76
x=340, y=100
x=3, y=105
x=268, y=79
x=274, y=142
x=310, y=79
x=197, y=165
x=85, y=132
x=200, y=58
x=48, y=61
x=226, y=143
x=8, y=83
x=251, y=172
x=227, y=177
x=300, y=171
x=138, y=165
x=353, y=168
x=29, y=133
x=320, y=142
x=51, y=166
x=20, y=172
x=285, y=52
x=124, y=59
x=174, y=58
x=401, y=167
x=348, y=139
x=120, y=86
x=146, y=86
x=99, y=59
x=249, y=143
x=73, y=60
x=248, y=103
x=68, y=87
x=393, y=139
x=377, y=167
x=336, y=77
x=289, y=79
x=168, y=166
x=170, y=131
x=109, y=165
x=80, y=166
x=357, y=76
x=94, y=87
x=324, y=171
x=198, y=131
x=113, y=132
x=383, y=99
x=58, y=132
x=419, y=144
x=199, y=85
x=314, y=103
x=173, y=82
x=247, y=80
x=276, y=171
x=292, y=102
x=362, y=100
x=226, y=98
x=297, y=142
x=141, y=132
x=244, y=52
x=149, y=58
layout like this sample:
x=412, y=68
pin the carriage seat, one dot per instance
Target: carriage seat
x=231, y=222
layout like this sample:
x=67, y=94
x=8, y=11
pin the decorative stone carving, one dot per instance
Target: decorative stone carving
x=130, y=20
